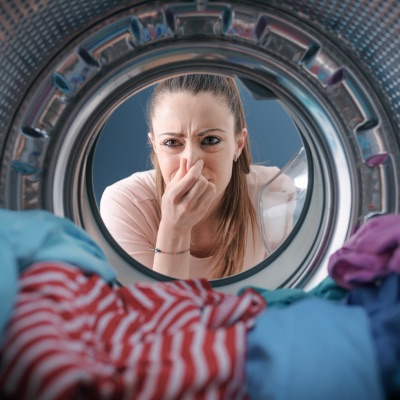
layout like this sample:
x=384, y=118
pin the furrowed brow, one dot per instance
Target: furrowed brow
x=202, y=133
x=173, y=134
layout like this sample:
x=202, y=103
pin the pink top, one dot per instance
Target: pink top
x=129, y=211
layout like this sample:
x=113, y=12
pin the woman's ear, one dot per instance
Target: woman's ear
x=241, y=139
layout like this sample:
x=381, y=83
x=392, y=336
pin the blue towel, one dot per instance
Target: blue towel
x=30, y=236
x=313, y=349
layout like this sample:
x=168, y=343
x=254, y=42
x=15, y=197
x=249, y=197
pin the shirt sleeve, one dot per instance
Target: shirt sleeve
x=132, y=224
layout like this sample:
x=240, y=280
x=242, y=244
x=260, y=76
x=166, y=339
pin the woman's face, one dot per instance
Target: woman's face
x=196, y=127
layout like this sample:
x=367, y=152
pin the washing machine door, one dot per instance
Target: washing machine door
x=66, y=66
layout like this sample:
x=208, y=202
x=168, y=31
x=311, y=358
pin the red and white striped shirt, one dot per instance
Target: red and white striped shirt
x=72, y=336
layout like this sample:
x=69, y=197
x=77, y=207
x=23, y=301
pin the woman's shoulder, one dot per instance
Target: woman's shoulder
x=139, y=186
x=260, y=175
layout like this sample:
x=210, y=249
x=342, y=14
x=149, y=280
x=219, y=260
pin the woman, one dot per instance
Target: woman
x=194, y=215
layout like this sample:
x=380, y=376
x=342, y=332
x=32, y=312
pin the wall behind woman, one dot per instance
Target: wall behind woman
x=122, y=147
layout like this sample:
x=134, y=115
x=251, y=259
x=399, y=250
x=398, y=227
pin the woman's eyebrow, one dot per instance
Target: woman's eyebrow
x=172, y=134
x=202, y=133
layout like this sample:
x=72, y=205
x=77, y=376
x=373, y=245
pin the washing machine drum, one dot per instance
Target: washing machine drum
x=334, y=66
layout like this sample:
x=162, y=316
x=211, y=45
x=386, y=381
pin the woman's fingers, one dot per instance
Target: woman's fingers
x=200, y=189
x=188, y=195
x=183, y=181
x=181, y=171
x=208, y=196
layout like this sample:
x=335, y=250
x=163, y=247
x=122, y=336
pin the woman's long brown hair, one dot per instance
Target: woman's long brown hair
x=236, y=208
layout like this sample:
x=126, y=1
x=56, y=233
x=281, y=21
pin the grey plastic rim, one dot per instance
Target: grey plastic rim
x=343, y=123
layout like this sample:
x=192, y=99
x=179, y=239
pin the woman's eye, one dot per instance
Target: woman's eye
x=211, y=141
x=171, y=143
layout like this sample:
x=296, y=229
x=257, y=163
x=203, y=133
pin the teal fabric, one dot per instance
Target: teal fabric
x=281, y=298
x=328, y=290
x=312, y=349
x=30, y=236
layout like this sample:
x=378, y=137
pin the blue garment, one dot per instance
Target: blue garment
x=30, y=236
x=381, y=300
x=313, y=349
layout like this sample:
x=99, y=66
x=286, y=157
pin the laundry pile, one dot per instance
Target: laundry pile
x=341, y=339
x=75, y=334
x=69, y=331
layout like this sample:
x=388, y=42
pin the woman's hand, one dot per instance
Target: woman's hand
x=185, y=201
x=187, y=198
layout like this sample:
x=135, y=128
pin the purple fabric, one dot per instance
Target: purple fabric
x=372, y=252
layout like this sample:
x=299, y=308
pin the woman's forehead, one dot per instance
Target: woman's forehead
x=189, y=103
x=182, y=107
x=167, y=95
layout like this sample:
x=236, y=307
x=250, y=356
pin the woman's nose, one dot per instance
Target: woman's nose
x=192, y=154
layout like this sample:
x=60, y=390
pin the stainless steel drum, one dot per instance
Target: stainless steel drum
x=335, y=66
